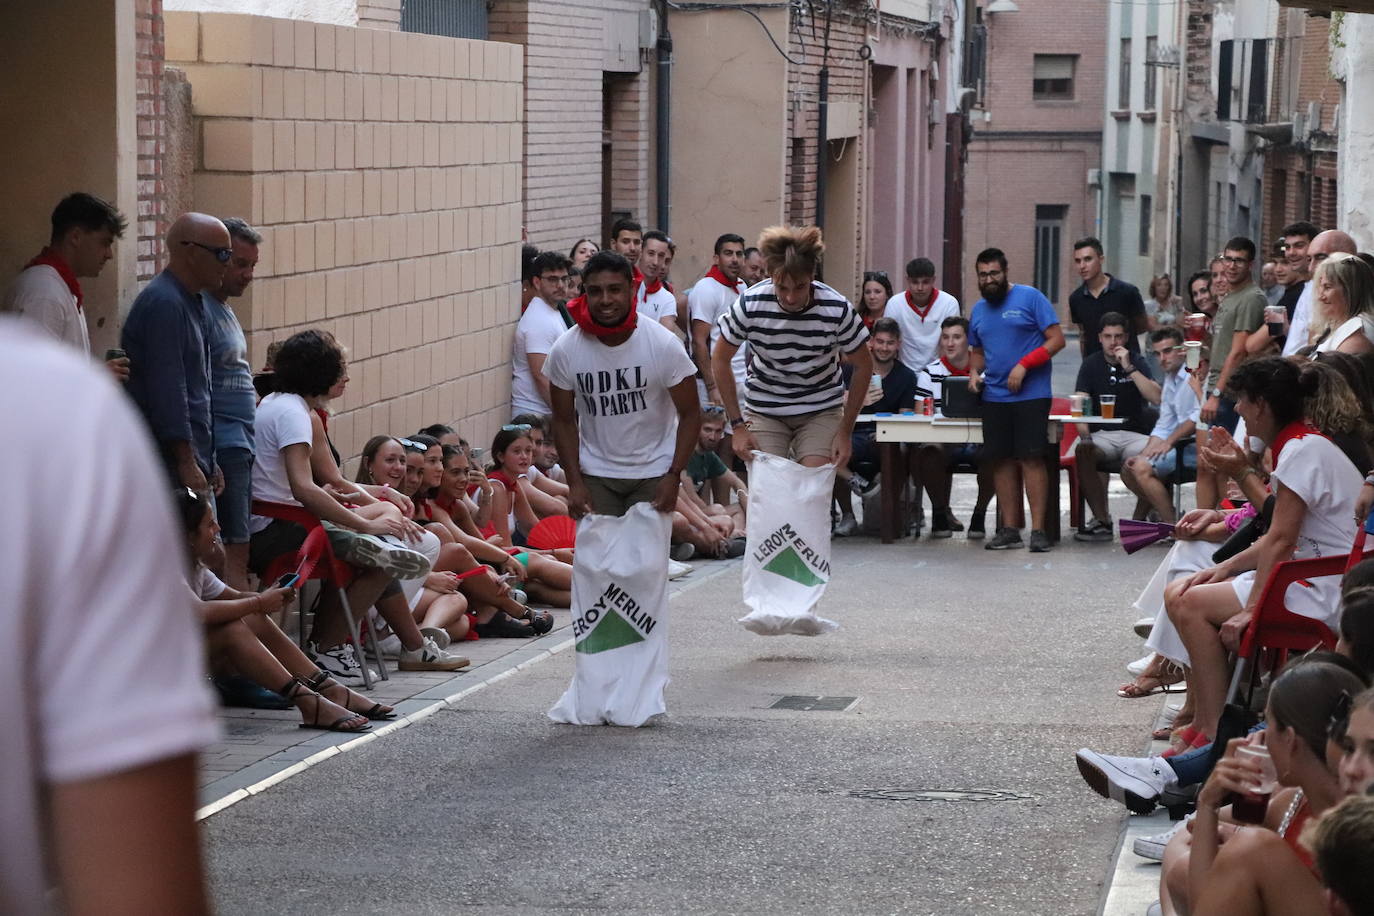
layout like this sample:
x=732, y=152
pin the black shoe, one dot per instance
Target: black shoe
x=736, y=547
x=1006, y=539
x=235, y=690
x=1039, y=542
x=942, y=524
x=976, y=531
x=541, y=622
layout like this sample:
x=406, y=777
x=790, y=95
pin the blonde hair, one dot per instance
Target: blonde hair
x=1334, y=407
x=794, y=251
x=1355, y=280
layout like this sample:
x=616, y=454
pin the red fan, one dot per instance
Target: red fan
x=1138, y=535
x=552, y=533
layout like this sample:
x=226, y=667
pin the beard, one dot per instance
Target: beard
x=993, y=292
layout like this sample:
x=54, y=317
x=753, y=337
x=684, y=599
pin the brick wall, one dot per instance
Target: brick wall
x=383, y=169
x=153, y=217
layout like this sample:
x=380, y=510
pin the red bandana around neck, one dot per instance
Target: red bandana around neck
x=1298, y=429
x=639, y=277
x=49, y=258
x=578, y=309
x=715, y=273
x=651, y=288
x=953, y=369
x=922, y=310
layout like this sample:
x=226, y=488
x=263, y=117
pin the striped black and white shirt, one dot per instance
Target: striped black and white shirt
x=795, y=367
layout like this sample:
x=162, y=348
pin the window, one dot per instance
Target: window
x=451, y=18
x=1225, y=61
x=1151, y=72
x=1123, y=78
x=1049, y=237
x=1053, y=77
x=1146, y=221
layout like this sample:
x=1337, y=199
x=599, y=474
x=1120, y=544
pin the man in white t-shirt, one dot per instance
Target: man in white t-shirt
x=708, y=300
x=1325, y=244
x=103, y=673
x=919, y=311
x=625, y=411
x=539, y=327
x=653, y=298
x=48, y=290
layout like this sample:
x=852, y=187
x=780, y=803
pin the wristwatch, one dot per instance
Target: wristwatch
x=737, y=422
x=1215, y=392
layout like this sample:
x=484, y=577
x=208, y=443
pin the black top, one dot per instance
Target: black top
x=899, y=392
x=1116, y=296
x=1289, y=300
x=1098, y=377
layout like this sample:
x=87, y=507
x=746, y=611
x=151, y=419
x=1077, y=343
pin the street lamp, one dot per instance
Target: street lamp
x=1002, y=6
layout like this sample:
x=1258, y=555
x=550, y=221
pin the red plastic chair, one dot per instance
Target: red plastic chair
x=1068, y=440
x=1279, y=629
x=315, y=559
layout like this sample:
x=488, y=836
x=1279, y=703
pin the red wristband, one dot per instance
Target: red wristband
x=1035, y=358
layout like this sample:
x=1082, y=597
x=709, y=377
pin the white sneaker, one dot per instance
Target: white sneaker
x=401, y=562
x=677, y=570
x=1134, y=781
x=440, y=637
x=1152, y=847
x=342, y=664
x=846, y=527
x=1143, y=627
x=429, y=657
x=390, y=646
x=1137, y=667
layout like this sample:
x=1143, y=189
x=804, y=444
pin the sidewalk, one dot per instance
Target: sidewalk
x=260, y=748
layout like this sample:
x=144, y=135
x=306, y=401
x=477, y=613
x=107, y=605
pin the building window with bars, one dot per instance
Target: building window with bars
x=1123, y=78
x=450, y=18
x=1049, y=240
x=1052, y=77
x=1151, y=72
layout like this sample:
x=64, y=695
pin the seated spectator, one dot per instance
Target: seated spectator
x=544, y=322
x=443, y=434
x=897, y=384
x=512, y=453
x=1149, y=474
x=936, y=463
x=547, y=496
x=1342, y=845
x=1344, y=291
x=1111, y=371
x=1316, y=484
x=307, y=367
x=1163, y=306
x=239, y=626
x=720, y=488
x=873, y=296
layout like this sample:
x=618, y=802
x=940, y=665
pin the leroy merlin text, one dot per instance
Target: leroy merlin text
x=785, y=536
x=614, y=597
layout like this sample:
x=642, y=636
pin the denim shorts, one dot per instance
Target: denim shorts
x=1166, y=464
x=235, y=504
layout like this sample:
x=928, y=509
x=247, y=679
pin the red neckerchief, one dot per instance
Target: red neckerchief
x=922, y=310
x=501, y=478
x=716, y=274
x=1298, y=429
x=639, y=277
x=953, y=369
x=49, y=258
x=324, y=418
x=651, y=288
x=578, y=309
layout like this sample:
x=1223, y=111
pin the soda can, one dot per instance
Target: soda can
x=928, y=406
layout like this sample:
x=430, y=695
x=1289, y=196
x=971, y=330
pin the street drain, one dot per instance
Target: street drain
x=815, y=704
x=943, y=795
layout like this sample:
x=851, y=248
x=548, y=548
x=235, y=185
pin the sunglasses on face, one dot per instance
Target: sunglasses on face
x=221, y=254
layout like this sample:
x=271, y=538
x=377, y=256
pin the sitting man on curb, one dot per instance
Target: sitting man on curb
x=1149, y=474
x=1112, y=372
x=898, y=394
x=936, y=463
x=705, y=469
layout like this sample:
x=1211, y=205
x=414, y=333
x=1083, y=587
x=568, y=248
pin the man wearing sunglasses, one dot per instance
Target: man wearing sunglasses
x=164, y=336
x=1148, y=474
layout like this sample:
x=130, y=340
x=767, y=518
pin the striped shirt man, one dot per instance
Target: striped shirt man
x=795, y=366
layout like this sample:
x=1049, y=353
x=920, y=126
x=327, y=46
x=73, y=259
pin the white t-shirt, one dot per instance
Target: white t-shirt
x=205, y=585
x=1300, y=327
x=626, y=419
x=1344, y=332
x=707, y=301
x=539, y=327
x=283, y=419
x=921, y=335
x=40, y=294
x=102, y=666
x=657, y=305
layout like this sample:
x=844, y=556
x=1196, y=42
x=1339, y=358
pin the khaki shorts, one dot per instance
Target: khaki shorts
x=1117, y=445
x=800, y=436
x=614, y=496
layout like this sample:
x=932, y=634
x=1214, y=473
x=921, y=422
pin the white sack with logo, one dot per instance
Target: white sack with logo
x=787, y=560
x=620, y=619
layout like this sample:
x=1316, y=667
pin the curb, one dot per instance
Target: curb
x=300, y=766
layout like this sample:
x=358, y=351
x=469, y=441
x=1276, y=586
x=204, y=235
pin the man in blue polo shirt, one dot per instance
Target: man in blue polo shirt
x=1100, y=294
x=1013, y=333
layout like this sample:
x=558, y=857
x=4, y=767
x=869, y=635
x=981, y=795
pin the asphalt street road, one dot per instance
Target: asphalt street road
x=973, y=670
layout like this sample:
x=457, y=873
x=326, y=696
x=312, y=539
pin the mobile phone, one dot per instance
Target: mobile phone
x=478, y=453
x=288, y=581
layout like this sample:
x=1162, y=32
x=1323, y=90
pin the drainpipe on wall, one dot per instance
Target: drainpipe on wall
x=822, y=113
x=662, y=106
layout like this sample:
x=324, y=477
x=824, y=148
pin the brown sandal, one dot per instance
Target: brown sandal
x=321, y=681
x=1150, y=684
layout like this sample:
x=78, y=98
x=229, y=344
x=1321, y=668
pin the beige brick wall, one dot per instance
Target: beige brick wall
x=383, y=169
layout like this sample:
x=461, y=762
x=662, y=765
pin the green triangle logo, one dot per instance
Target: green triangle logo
x=611, y=632
x=790, y=566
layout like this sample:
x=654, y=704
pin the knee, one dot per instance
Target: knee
x=456, y=555
x=442, y=533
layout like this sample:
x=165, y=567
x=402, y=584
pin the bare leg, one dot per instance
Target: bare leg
x=550, y=572
x=330, y=629
x=1037, y=491
x=257, y=664
x=1198, y=613
x=553, y=597
x=236, y=567
x=1139, y=476
x=844, y=496
x=932, y=466
x=440, y=611
x=285, y=650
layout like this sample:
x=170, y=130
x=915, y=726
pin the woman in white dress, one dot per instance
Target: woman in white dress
x=1345, y=300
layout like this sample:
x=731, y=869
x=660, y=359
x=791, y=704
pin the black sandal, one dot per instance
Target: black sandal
x=321, y=681
x=294, y=686
x=504, y=626
x=540, y=622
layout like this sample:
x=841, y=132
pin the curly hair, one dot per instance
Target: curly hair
x=309, y=363
x=1337, y=404
x=793, y=251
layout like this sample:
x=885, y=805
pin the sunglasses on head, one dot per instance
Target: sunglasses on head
x=516, y=428
x=221, y=254
x=412, y=444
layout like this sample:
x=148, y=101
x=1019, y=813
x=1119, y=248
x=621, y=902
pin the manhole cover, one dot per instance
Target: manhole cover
x=944, y=795
x=815, y=704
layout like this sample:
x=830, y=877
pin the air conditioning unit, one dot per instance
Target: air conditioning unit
x=1314, y=119
x=1300, y=127
x=648, y=28
x=1094, y=178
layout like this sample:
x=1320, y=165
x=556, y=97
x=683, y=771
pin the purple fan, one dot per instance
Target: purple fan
x=1138, y=535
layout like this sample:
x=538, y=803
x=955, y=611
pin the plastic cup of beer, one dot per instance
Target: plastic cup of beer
x=1107, y=402
x=1249, y=807
x=1076, y=405
x=1192, y=352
